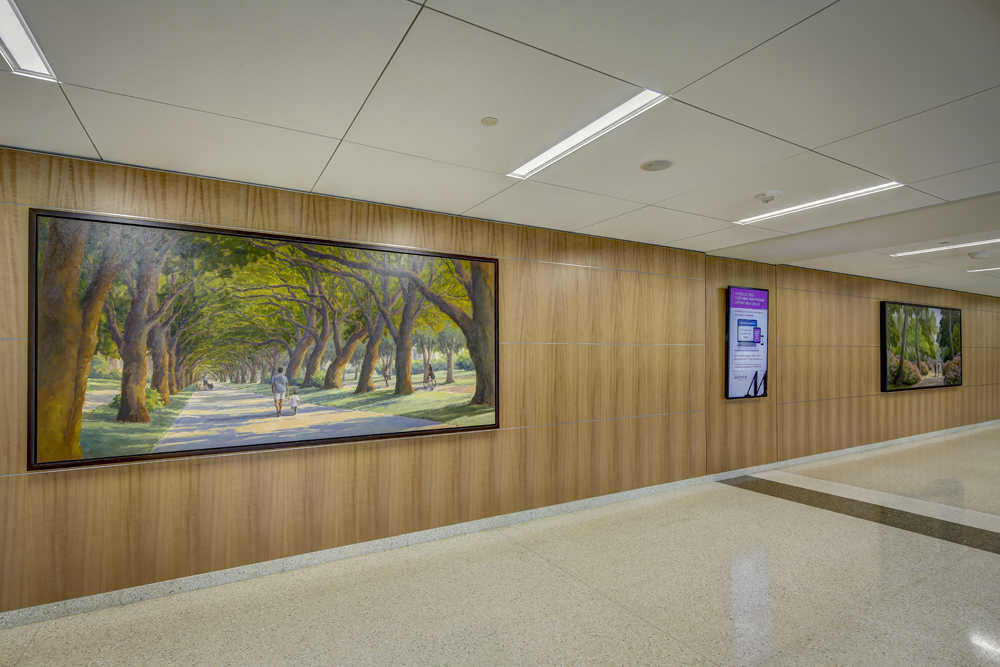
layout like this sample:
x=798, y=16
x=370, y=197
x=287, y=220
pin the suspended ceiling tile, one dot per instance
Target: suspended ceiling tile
x=990, y=230
x=372, y=174
x=659, y=45
x=947, y=139
x=448, y=75
x=964, y=282
x=861, y=208
x=704, y=149
x=802, y=178
x=856, y=65
x=159, y=136
x=37, y=117
x=903, y=275
x=735, y=235
x=864, y=263
x=541, y=205
x=919, y=228
x=963, y=184
x=655, y=225
x=301, y=64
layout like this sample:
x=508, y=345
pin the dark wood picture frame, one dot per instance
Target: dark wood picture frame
x=35, y=216
x=884, y=347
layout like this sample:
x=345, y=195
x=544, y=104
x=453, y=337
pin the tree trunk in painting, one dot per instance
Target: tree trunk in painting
x=161, y=360
x=336, y=369
x=298, y=356
x=951, y=342
x=902, y=350
x=172, y=372
x=450, y=351
x=319, y=349
x=404, y=340
x=67, y=333
x=135, y=336
x=366, y=381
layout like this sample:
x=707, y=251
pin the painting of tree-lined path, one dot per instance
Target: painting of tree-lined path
x=152, y=340
x=923, y=346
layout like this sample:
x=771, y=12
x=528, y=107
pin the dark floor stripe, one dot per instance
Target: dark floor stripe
x=977, y=538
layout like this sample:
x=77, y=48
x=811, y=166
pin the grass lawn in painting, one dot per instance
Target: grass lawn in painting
x=440, y=405
x=103, y=384
x=101, y=436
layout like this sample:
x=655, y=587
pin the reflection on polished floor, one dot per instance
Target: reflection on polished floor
x=859, y=560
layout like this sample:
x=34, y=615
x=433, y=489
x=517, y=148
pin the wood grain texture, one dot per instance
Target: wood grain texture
x=739, y=433
x=90, y=530
x=612, y=376
x=14, y=271
x=581, y=419
x=830, y=396
x=556, y=384
x=542, y=302
x=14, y=409
x=813, y=373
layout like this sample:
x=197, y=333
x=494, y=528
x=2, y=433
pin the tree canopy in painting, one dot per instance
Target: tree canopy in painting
x=142, y=332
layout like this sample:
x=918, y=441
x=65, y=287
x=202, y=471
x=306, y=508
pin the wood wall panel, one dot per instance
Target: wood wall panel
x=826, y=319
x=571, y=304
x=14, y=408
x=830, y=403
x=739, y=433
x=980, y=365
x=557, y=384
x=983, y=328
x=92, y=530
x=812, y=373
x=13, y=271
x=611, y=360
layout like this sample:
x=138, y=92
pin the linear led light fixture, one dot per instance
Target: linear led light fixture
x=995, y=268
x=821, y=202
x=944, y=247
x=644, y=101
x=18, y=47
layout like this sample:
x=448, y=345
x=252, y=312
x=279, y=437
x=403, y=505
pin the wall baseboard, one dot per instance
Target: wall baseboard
x=63, y=608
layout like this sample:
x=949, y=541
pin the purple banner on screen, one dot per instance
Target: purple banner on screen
x=746, y=360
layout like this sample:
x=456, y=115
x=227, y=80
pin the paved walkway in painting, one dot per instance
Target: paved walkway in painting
x=229, y=417
x=96, y=399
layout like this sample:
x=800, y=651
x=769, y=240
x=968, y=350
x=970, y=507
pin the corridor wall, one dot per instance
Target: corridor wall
x=610, y=380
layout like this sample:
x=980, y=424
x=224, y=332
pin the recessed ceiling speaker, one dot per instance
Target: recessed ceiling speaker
x=656, y=165
x=767, y=197
x=981, y=254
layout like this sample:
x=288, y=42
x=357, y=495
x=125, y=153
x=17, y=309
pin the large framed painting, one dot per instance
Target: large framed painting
x=152, y=340
x=921, y=346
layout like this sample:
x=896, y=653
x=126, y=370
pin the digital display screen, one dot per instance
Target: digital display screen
x=746, y=342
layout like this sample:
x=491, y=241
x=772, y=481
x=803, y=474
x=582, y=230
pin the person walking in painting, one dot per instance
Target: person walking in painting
x=386, y=374
x=279, y=384
x=293, y=401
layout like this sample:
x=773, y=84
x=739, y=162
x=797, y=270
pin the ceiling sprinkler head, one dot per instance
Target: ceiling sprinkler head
x=767, y=197
x=981, y=254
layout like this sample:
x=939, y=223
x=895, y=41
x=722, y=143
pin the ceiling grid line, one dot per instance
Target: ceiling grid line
x=196, y=110
x=390, y=100
x=912, y=115
x=732, y=60
x=82, y=126
x=532, y=46
x=374, y=85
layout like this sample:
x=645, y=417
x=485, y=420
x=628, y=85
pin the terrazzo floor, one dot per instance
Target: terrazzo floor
x=707, y=575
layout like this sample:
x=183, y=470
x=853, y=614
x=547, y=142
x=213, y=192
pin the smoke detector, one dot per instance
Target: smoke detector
x=981, y=254
x=656, y=165
x=768, y=197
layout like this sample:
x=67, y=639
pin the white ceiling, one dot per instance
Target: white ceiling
x=382, y=100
